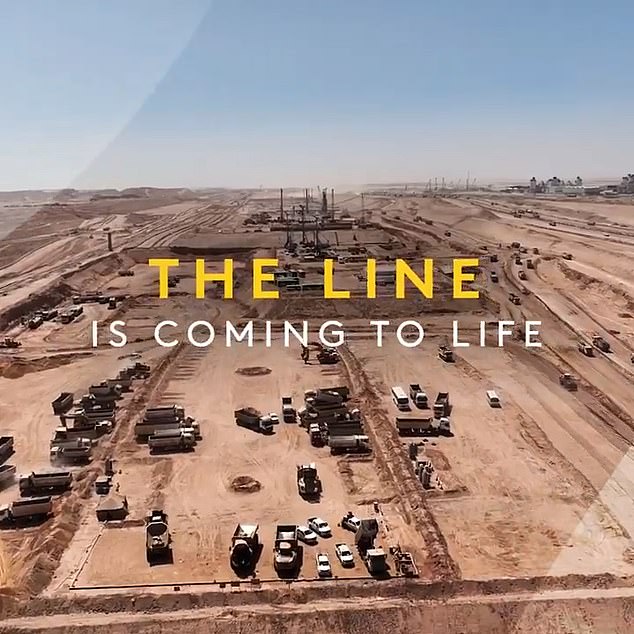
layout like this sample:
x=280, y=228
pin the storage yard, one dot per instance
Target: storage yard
x=465, y=482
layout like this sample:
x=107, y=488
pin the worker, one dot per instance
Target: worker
x=305, y=354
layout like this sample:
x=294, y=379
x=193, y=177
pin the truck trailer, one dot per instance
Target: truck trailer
x=28, y=509
x=38, y=482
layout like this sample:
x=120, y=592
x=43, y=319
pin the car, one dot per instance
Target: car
x=350, y=522
x=344, y=554
x=320, y=526
x=306, y=535
x=323, y=565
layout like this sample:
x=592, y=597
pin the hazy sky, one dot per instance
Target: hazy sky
x=299, y=92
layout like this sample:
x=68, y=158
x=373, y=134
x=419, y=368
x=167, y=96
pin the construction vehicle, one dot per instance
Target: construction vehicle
x=328, y=356
x=163, y=412
x=529, y=264
x=599, y=342
x=586, y=349
x=308, y=482
x=446, y=354
x=103, y=485
x=374, y=558
x=112, y=303
x=6, y=448
x=515, y=245
x=253, y=419
x=493, y=257
x=518, y=260
x=9, y=342
x=535, y=251
x=286, y=550
x=515, y=299
x=567, y=256
x=420, y=426
x=568, y=381
x=104, y=393
x=357, y=443
x=494, y=277
x=35, y=322
x=62, y=403
x=182, y=440
x=245, y=547
x=289, y=415
x=7, y=475
x=404, y=562
x=79, y=450
x=442, y=406
x=552, y=223
x=158, y=540
x=418, y=396
x=29, y=509
x=522, y=274
x=316, y=435
x=35, y=483
x=145, y=429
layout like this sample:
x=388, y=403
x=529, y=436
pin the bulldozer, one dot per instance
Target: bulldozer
x=9, y=342
x=328, y=356
x=404, y=562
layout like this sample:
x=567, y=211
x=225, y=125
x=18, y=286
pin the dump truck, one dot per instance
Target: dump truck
x=253, y=419
x=165, y=412
x=182, y=441
x=7, y=475
x=418, y=396
x=446, y=354
x=599, y=342
x=79, y=450
x=568, y=381
x=308, y=482
x=245, y=546
x=419, y=426
x=442, y=406
x=286, y=550
x=157, y=536
x=103, y=392
x=374, y=558
x=29, y=509
x=357, y=443
x=316, y=435
x=6, y=448
x=38, y=482
x=529, y=264
x=144, y=429
x=289, y=415
x=522, y=274
x=62, y=403
x=586, y=349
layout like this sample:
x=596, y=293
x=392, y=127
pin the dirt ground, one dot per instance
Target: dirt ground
x=540, y=490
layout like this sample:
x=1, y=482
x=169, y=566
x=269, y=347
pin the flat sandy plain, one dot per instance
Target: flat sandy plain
x=528, y=525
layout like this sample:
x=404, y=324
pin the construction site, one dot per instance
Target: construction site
x=336, y=488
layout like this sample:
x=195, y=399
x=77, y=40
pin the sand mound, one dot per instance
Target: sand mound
x=256, y=370
x=18, y=367
x=245, y=484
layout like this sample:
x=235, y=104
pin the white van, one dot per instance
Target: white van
x=400, y=398
x=493, y=398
